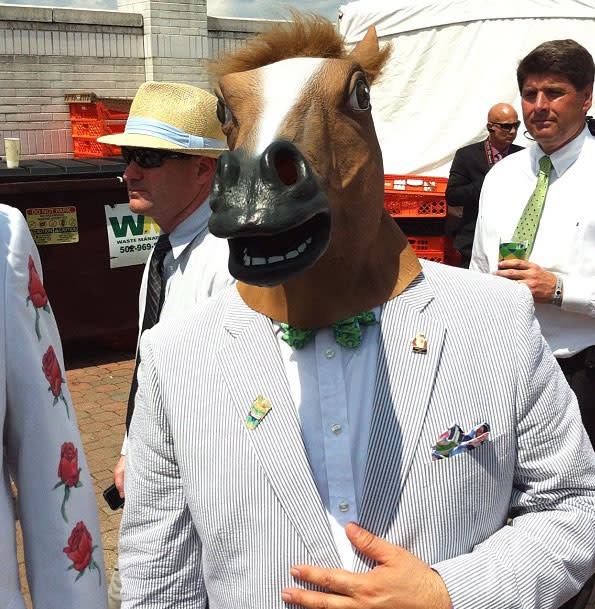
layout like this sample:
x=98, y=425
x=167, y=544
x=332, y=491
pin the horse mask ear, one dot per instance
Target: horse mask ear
x=368, y=55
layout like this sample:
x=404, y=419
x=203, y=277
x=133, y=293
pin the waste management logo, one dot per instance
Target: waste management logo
x=130, y=236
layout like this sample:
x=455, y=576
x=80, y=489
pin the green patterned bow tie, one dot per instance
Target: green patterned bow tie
x=348, y=332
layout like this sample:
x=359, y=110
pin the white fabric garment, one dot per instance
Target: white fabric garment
x=195, y=269
x=565, y=240
x=447, y=68
x=42, y=448
x=333, y=391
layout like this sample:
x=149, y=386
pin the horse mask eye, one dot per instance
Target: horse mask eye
x=359, y=99
x=223, y=113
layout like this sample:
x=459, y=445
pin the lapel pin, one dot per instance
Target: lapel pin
x=419, y=343
x=258, y=411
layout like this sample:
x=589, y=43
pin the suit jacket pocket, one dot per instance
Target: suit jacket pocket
x=488, y=464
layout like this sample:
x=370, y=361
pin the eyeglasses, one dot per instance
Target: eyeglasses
x=149, y=158
x=508, y=126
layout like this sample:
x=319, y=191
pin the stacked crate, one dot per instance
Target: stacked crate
x=418, y=204
x=92, y=117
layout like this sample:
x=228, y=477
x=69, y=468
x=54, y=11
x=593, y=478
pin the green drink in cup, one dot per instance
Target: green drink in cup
x=512, y=250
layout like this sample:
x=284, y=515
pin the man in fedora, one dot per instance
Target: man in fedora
x=170, y=144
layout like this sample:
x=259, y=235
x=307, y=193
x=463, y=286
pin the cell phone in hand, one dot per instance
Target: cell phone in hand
x=112, y=496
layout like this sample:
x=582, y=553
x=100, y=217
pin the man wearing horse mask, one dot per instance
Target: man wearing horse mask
x=325, y=389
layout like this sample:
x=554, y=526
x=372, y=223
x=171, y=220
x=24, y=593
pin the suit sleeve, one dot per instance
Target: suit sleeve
x=546, y=554
x=462, y=188
x=160, y=551
x=56, y=498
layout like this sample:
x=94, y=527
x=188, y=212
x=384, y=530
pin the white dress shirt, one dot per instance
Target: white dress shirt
x=195, y=269
x=565, y=240
x=333, y=391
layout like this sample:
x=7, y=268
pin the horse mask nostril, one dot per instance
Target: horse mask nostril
x=283, y=163
x=285, y=166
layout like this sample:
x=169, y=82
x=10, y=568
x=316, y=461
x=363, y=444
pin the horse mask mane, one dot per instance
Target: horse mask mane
x=299, y=196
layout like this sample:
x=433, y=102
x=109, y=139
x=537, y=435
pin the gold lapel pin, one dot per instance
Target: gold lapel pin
x=258, y=411
x=419, y=343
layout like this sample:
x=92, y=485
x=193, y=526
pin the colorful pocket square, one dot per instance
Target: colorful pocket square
x=455, y=441
x=258, y=411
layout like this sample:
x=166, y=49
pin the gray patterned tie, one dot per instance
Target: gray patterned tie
x=153, y=305
x=529, y=222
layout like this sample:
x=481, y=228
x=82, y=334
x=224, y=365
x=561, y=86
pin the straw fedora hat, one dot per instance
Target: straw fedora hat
x=171, y=116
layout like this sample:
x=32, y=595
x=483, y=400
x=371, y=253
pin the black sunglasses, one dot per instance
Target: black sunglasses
x=508, y=126
x=149, y=158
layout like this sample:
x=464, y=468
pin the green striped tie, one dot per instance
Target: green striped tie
x=528, y=224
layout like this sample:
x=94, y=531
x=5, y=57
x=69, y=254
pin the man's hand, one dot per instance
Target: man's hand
x=119, y=475
x=542, y=283
x=399, y=581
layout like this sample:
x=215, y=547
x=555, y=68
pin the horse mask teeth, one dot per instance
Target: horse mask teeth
x=275, y=259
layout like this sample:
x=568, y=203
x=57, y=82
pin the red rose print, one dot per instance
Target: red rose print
x=68, y=472
x=51, y=369
x=36, y=295
x=68, y=469
x=80, y=551
x=80, y=547
x=36, y=290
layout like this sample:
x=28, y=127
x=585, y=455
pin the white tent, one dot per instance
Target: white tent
x=452, y=60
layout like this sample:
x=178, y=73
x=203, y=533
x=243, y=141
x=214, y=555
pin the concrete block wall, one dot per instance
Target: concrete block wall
x=175, y=39
x=48, y=52
x=227, y=35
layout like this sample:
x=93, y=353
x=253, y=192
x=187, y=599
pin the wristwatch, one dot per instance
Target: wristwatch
x=556, y=298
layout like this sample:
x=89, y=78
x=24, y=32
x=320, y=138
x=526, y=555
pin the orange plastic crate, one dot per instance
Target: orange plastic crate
x=95, y=128
x=91, y=118
x=83, y=110
x=111, y=111
x=433, y=256
x=440, y=243
x=415, y=196
x=88, y=147
x=437, y=248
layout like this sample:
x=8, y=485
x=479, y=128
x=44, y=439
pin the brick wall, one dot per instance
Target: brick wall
x=48, y=52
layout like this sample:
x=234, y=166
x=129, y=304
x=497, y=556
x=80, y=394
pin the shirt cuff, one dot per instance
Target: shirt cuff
x=579, y=295
x=124, y=445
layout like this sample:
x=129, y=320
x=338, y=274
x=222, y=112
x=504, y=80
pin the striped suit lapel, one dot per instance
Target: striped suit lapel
x=404, y=383
x=251, y=365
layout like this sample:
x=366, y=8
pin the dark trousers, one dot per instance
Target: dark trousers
x=579, y=371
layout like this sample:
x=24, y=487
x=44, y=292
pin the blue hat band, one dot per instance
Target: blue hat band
x=148, y=126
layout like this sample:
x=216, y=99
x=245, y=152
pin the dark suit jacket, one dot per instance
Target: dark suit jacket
x=467, y=172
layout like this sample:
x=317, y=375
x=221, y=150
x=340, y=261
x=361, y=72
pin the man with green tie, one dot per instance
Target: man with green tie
x=543, y=197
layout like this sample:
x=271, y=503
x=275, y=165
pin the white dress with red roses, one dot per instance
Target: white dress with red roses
x=42, y=449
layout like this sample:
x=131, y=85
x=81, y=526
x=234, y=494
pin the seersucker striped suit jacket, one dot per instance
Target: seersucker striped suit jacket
x=216, y=514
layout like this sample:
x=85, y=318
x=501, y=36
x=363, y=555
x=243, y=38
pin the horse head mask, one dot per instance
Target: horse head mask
x=299, y=196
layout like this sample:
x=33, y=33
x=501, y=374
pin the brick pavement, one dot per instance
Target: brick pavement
x=99, y=384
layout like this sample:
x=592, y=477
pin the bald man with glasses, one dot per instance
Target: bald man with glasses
x=469, y=168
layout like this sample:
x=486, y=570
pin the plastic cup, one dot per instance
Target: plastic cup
x=512, y=250
x=12, y=148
